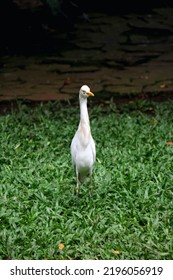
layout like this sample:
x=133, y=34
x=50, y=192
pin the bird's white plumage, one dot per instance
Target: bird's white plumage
x=83, y=151
x=83, y=154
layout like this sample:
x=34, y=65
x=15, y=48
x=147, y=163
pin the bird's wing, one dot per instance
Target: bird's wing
x=73, y=149
x=93, y=148
x=77, y=147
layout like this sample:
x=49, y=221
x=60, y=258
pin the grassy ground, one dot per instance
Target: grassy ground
x=130, y=215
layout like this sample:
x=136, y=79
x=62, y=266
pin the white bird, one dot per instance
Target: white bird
x=83, y=151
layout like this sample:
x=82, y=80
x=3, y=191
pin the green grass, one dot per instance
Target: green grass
x=132, y=206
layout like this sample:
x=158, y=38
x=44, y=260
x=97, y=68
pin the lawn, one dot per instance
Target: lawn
x=131, y=213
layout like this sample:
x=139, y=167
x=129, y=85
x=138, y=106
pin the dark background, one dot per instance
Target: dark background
x=24, y=25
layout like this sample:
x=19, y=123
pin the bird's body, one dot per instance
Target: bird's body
x=83, y=151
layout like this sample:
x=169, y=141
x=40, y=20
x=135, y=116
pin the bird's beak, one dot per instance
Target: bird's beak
x=90, y=93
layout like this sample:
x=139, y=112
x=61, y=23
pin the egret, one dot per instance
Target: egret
x=83, y=151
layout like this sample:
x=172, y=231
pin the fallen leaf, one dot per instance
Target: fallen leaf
x=169, y=143
x=162, y=86
x=116, y=252
x=61, y=246
x=67, y=81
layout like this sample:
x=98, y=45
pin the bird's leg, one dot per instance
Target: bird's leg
x=91, y=186
x=77, y=188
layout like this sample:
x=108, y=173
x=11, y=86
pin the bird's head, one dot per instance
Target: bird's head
x=84, y=92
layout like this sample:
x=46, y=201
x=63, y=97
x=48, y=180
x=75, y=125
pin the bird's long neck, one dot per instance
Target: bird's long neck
x=84, y=118
x=84, y=126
